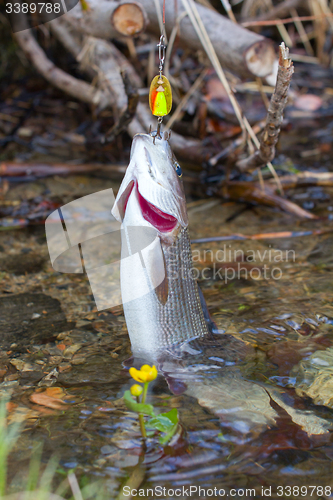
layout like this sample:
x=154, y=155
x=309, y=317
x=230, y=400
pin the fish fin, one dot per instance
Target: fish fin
x=162, y=290
x=177, y=387
x=211, y=325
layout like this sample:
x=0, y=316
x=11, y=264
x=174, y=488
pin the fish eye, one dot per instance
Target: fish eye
x=178, y=169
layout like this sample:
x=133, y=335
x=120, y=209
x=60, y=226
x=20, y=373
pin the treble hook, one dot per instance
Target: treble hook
x=156, y=133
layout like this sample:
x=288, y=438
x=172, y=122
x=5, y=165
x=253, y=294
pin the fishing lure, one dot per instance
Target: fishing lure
x=160, y=94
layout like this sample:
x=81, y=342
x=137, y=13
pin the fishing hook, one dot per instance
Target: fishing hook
x=156, y=133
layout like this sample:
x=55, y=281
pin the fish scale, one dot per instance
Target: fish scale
x=181, y=318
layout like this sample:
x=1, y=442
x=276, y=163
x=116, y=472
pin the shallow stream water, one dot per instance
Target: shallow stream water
x=272, y=298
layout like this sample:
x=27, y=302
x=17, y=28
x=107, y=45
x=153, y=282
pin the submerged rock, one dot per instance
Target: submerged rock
x=313, y=377
x=19, y=323
x=22, y=263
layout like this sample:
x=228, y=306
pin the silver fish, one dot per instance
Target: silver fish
x=152, y=196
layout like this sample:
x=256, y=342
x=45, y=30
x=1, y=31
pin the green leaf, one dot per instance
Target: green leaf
x=162, y=424
x=150, y=433
x=172, y=415
x=167, y=423
x=138, y=407
x=169, y=435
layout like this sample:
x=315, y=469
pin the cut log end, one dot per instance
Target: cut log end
x=260, y=57
x=129, y=19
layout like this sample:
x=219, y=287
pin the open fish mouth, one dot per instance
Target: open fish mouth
x=161, y=221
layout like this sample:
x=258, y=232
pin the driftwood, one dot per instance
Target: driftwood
x=276, y=12
x=253, y=193
x=305, y=179
x=96, y=54
x=270, y=136
x=98, y=20
x=40, y=170
x=238, y=49
x=263, y=236
x=56, y=76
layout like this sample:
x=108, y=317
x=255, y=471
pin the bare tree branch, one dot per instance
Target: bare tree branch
x=270, y=136
x=57, y=77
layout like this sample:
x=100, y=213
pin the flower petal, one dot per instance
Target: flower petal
x=136, y=374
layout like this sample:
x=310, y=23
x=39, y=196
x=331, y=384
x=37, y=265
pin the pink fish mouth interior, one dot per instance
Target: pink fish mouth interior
x=160, y=220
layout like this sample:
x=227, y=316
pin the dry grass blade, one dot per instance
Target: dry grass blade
x=281, y=28
x=229, y=11
x=302, y=32
x=201, y=31
x=75, y=487
x=196, y=85
x=172, y=39
x=288, y=20
x=206, y=3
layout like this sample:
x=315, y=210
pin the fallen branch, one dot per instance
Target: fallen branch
x=40, y=170
x=127, y=115
x=97, y=54
x=99, y=20
x=249, y=192
x=263, y=236
x=100, y=59
x=305, y=179
x=270, y=136
x=279, y=10
x=238, y=49
x=57, y=77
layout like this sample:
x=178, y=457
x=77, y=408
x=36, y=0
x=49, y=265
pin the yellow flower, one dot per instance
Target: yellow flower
x=145, y=374
x=136, y=390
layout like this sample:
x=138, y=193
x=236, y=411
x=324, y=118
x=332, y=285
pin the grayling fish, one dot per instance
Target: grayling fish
x=152, y=196
x=164, y=308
